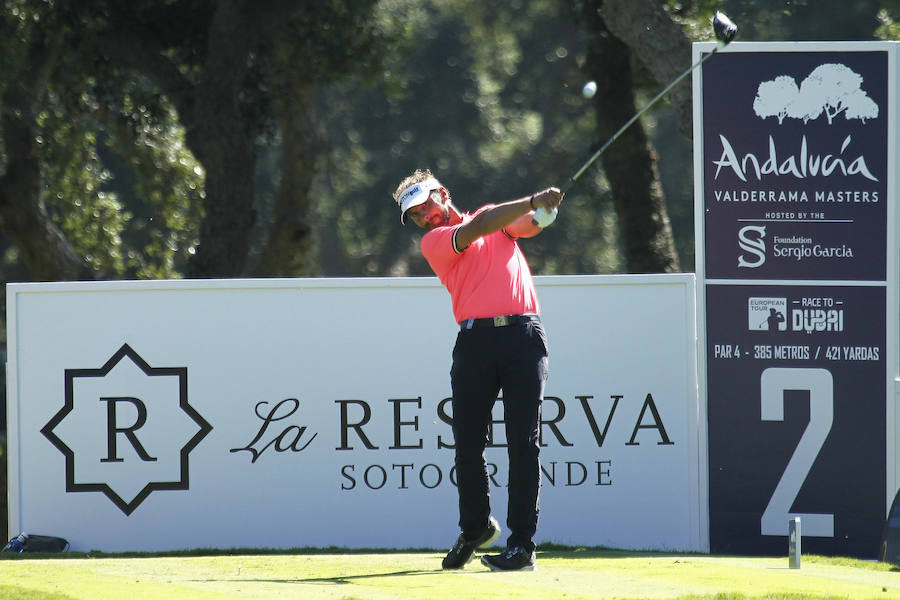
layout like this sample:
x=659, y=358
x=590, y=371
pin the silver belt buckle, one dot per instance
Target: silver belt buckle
x=501, y=321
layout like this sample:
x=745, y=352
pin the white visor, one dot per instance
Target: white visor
x=415, y=195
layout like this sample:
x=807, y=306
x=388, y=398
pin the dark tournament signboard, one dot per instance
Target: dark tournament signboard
x=793, y=246
x=795, y=174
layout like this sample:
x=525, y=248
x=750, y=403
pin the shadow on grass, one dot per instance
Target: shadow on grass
x=337, y=579
x=550, y=551
x=345, y=579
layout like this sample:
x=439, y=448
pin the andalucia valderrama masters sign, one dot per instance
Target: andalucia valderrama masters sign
x=796, y=215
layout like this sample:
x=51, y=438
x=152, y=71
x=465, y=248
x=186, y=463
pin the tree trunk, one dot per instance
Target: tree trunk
x=218, y=136
x=216, y=128
x=660, y=44
x=229, y=160
x=630, y=162
x=290, y=249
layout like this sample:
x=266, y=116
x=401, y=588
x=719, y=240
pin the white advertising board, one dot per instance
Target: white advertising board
x=162, y=415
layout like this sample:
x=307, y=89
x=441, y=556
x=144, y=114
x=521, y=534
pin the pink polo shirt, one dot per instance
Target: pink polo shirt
x=488, y=279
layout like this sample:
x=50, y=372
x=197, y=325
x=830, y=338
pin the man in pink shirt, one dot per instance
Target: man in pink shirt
x=501, y=345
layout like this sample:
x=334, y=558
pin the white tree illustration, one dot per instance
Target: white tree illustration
x=860, y=106
x=808, y=104
x=830, y=89
x=774, y=97
x=832, y=84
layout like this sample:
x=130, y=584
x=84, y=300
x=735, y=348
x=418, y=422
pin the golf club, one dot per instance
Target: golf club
x=724, y=31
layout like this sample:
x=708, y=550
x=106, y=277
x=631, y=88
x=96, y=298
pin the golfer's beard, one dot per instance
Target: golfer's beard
x=439, y=221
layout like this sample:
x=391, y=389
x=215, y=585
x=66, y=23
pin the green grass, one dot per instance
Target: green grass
x=573, y=574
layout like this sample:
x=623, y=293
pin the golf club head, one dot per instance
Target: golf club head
x=724, y=29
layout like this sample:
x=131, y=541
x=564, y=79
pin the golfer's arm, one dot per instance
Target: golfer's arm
x=495, y=219
x=524, y=226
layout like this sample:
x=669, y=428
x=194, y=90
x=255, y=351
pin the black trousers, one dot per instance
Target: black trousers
x=486, y=360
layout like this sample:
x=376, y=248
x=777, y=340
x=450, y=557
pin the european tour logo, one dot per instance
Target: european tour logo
x=126, y=429
x=809, y=314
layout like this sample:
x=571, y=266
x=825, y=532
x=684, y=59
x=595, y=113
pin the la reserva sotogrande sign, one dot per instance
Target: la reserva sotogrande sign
x=162, y=415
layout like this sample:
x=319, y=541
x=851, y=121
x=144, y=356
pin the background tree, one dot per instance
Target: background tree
x=23, y=212
x=630, y=162
x=201, y=138
x=177, y=98
x=489, y=96
x=239, y=66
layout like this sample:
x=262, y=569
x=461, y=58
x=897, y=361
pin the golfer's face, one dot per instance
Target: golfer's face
x=431, y=213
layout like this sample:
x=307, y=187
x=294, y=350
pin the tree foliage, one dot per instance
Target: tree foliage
x=489, y=97
x=83, y=123
x=133, y=152
x=236, y=137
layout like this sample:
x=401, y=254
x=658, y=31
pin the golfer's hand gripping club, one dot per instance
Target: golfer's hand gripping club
x=543, y=217
x=545, y=214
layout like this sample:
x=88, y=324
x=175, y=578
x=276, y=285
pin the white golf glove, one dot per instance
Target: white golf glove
x=543, y=217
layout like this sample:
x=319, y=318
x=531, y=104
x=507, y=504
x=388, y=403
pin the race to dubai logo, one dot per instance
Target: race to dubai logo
x=831, y=89
x=126, y=429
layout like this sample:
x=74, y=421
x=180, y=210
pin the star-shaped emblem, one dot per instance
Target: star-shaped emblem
x=126, y=429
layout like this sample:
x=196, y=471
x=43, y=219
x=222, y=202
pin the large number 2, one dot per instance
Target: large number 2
x=773, y=383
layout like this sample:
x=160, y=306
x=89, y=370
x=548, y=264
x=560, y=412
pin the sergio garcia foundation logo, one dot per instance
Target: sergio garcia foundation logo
x=753, y=250
x=753, y=247
x=126, y=429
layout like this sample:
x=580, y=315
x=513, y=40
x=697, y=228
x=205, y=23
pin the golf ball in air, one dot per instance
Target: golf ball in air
x=589, y=89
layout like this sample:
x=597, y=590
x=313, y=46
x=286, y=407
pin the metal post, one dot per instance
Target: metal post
x=794, y=543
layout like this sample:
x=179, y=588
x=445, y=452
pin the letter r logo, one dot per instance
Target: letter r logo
x=112, y=429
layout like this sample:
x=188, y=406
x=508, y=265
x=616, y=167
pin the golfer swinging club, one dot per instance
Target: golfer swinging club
x=501, y=345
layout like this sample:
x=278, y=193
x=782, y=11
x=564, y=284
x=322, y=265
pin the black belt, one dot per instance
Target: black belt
x=501, y=321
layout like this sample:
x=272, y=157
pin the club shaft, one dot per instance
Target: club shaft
x=637, y=115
